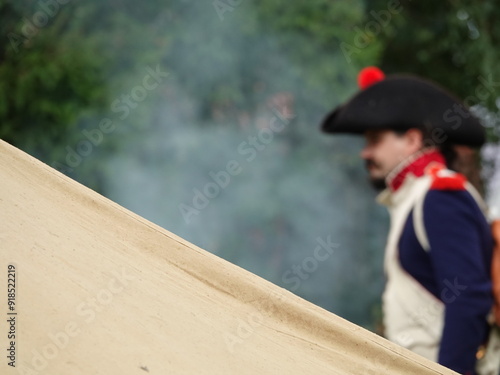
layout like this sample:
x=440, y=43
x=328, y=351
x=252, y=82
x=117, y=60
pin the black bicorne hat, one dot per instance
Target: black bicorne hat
x=401, y=102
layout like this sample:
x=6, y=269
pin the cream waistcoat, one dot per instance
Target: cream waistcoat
x=413, y=317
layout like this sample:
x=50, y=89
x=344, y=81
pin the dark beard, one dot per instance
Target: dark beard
x=378, y=183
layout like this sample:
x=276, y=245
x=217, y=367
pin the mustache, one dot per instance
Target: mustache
x=371, y=163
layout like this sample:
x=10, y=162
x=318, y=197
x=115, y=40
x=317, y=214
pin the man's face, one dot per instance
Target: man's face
x=385, y=149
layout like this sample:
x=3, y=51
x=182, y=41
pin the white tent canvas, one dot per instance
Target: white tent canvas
x=100, y=290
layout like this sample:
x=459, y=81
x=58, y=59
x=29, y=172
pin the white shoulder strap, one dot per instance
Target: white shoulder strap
x=477, y=197
x=418, y=215
x=418, y=223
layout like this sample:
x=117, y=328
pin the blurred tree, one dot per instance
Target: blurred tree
x=46, y=78
x=453, y=42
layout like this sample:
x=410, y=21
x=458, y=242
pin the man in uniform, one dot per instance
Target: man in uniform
x=438, y=292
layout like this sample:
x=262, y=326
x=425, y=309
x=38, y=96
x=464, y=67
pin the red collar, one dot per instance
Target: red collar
x=416, y=165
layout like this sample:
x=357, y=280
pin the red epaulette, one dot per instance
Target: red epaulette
x=444, y=179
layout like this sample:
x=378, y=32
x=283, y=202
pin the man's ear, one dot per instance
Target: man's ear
x=415, y=139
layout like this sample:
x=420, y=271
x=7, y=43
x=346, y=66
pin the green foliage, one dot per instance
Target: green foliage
x=56, y=77
x=454, y=43
x=46, y=78
x=61, y=77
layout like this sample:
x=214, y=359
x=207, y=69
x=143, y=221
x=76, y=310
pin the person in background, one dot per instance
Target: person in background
x=438, y=292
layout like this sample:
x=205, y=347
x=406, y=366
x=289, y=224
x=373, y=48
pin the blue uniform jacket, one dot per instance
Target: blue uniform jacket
x=455, y=268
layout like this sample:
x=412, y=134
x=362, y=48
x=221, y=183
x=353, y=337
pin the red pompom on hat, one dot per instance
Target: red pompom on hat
x=368, y=76
x=401, y=102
